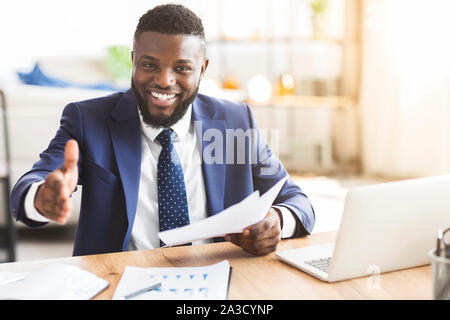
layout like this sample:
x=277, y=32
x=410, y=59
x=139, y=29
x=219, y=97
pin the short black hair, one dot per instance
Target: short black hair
x=171, y=19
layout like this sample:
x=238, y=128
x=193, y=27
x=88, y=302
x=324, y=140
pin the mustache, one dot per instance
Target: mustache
x=163, y=89
x=177, y=114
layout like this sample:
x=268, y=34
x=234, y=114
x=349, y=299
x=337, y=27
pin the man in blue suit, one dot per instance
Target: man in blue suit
x=160, y=155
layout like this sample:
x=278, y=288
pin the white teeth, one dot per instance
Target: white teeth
x=162, y=96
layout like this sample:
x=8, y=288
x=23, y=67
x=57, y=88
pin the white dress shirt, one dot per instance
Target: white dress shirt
x=146, y=224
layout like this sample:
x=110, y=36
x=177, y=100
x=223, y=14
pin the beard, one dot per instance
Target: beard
x=166, y=122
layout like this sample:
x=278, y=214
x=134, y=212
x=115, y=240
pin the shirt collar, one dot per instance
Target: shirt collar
x=181, y=127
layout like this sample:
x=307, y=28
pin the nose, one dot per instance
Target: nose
x=165, y=78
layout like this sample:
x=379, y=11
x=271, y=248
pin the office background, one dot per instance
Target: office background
x=355, y=91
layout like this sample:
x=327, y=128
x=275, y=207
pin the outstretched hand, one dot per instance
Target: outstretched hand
x=53, y=196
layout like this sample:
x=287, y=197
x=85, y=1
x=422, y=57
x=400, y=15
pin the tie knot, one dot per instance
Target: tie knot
x=166, y=137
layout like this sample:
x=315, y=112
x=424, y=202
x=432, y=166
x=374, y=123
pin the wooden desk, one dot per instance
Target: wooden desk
x=252, y=277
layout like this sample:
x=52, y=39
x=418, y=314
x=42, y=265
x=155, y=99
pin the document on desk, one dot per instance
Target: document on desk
x=233, y=219
x=186, y=283
x=54, y=282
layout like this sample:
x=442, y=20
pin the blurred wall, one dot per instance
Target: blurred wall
x=405, y=95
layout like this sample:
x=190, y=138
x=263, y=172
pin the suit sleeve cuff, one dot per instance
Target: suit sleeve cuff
x=289, y=223
x=30, y=210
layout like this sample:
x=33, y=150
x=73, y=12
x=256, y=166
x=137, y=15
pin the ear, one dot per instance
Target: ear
x=204, y=67
x=133, y=67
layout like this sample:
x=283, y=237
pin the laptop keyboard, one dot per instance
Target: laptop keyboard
x=321, y=264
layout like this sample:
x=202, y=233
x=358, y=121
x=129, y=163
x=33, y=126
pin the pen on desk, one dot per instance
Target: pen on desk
x=139, y=292
x=19, y=277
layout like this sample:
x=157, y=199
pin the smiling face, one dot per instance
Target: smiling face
x=166, y=74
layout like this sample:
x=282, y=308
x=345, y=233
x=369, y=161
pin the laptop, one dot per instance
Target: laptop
x=384, y=227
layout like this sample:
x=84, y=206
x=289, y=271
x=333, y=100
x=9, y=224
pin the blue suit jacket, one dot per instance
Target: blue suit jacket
x=108, y=133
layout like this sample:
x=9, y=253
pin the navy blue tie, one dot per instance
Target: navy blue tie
x=172, y=200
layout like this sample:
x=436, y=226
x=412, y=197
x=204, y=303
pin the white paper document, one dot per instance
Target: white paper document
x=233, y=219
x=187, y=283
x=55, y=282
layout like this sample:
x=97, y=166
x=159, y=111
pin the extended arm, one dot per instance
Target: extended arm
x=58, y=167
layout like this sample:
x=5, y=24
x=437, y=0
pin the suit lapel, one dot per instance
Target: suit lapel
x=206, y=121
x=125, y=133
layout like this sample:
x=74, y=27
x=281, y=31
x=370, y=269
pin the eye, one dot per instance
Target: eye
x=183, y=68
x=149, y=66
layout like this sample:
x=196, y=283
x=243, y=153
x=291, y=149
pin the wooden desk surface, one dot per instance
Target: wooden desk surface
x=252, y=277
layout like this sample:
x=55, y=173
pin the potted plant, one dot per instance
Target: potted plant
x=319, y=8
